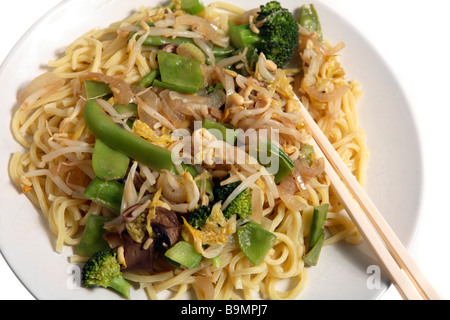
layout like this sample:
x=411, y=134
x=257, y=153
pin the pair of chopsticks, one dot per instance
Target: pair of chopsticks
x=392, y=255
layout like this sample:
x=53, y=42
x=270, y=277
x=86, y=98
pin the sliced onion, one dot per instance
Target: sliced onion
x=171, y=110
x=169, y=21
x=40, y=87
x=207, y=49
x=121, y=90
x=148, y=106
x=321, y=96
x=129, y=196
x=169, y=32
x=212, y=251
x=306, y=172
x=205, y=286
x=172, y=187
x=192, y=105
x=204, y=28
x=45, y=80
x=215, y=99
x=287, y=189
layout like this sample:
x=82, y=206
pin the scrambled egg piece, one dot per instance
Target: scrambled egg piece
x=142, y=129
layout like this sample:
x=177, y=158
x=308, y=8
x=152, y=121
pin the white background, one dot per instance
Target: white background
x=413, y=38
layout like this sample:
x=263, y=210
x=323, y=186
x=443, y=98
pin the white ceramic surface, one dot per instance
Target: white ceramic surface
x=393, y=180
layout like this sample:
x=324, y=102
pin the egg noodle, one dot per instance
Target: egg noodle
x=55, y=166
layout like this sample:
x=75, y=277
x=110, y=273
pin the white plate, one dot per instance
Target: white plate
x=393, y=176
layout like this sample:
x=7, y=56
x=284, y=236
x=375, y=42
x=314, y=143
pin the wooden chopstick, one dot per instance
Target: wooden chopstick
x=394, y=257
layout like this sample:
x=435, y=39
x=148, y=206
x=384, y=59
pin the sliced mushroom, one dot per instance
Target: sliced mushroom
x=167, y=227
x=137, y=256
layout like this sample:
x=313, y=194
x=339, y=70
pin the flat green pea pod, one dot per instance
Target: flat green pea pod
x=175, y=87
x=274, y=159
x=108, y=163
x=192, y=6
x=96, y=89
x=309, y=19
x=105, y=193
x=255, y=242
x=312, y=257
x=127, y=108
x=148, y=79
x=128, y=143
x=316, y=235
x=92, y=240
x=184, y=253
x=179, y=73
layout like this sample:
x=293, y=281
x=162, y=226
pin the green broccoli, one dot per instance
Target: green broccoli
x=221, y=193
x=278, y=34
x=103, y=270
x=241, y=205
x=197, y=217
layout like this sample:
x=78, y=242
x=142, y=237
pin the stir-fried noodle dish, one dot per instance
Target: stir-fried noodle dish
x=169, y=152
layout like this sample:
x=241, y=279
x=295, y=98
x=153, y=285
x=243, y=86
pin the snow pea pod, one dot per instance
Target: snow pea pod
x=192, y=6
x=316, y=235
x=96, y=89
x=255, y=242
x=157, y=41
x=309, y=19
x=274, y=159
x=130, y=144
x=175, y=87
x=92, y=240
x=105, y=193
x=148, y=79
x=312, y=257
x=180, y=72
x=108, y=163
x=184, y=253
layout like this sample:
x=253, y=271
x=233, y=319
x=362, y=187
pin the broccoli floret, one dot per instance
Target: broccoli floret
x=197, y=217
x=103, y=270
x=278, y=34
x=221, y=193
x=241, y=205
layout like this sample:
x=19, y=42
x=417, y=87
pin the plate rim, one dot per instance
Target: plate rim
x=419, y=212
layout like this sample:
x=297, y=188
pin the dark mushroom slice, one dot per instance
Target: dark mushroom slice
x=166, y=227
x=138, y=248
x=137, y=256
